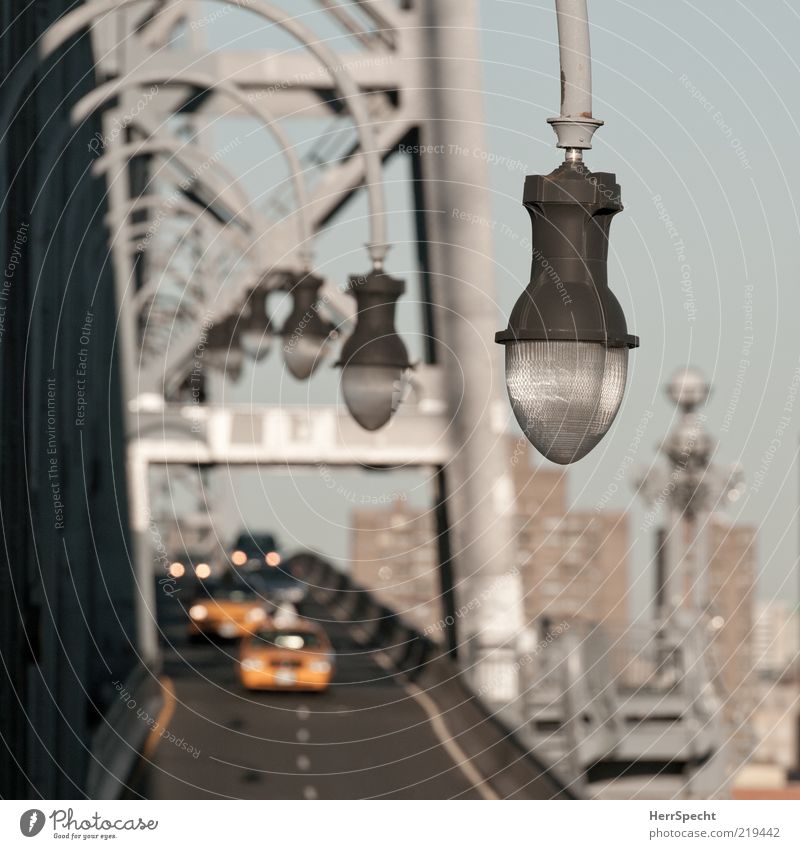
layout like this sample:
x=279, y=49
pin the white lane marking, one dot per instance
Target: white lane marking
x=310, y=792
x=303, y=762
x=303, y=735
x=303, y=712
x=439, y=726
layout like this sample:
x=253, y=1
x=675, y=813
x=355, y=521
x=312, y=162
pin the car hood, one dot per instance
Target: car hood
x=229, y=610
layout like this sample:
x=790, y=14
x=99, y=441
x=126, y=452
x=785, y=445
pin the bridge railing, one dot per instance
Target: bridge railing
x=597, y=702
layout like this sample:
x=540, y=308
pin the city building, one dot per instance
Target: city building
x=731, y=591
x=574, y=568
x=573, y=563
x=394, y=553
x=775, y=720
x=776, y=639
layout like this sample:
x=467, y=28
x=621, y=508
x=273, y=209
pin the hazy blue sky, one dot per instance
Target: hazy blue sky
x=700, y=104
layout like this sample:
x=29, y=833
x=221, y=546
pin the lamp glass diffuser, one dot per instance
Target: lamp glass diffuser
x=565, y=394
x=373, y=393
x=303, y=353
x=374, y=359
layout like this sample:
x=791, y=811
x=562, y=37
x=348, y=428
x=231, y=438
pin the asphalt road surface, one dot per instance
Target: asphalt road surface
x=371, y=735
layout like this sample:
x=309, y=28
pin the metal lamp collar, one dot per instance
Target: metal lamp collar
x=257, y=318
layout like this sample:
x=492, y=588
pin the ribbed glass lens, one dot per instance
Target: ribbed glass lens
x=372, y=393
x=303, y=353
x=565, y=395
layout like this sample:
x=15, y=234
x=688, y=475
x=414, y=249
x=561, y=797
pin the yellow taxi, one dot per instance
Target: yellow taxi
x=229, y=608
x=289, y=656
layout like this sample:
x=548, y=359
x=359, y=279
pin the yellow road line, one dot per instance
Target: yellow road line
x=163, y=718
x=154, y=737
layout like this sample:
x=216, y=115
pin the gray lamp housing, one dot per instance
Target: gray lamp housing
x=567, y=339
x=305, y=332
x=568, y=298
x=255, y=328
x=375, y=341
x=222, y=350
x=374, y=359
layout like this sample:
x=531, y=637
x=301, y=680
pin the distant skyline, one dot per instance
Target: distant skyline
x=705, y=257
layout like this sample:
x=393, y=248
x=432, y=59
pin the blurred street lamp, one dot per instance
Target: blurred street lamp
x=567, y=340
x=374, y=360
x=306, y=334
x=255, y=330
x=222, y=351
x=689, y=490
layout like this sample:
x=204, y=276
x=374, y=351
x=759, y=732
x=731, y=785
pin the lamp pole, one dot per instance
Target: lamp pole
x=83, y=16
x=689, y=489
x=480, y=491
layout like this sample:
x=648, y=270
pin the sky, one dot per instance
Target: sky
x=697, y=101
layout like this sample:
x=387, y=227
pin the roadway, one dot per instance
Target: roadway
x=373, y=734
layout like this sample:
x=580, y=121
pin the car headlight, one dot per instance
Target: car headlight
x=198, y=612
x=202, y=570
x=319, y=666
x=252, y=663
x=257, y=614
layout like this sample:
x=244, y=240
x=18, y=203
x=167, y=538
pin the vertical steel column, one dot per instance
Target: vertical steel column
x=674, y=585
x=481, y=494
x=127, y=343
x=445, y=555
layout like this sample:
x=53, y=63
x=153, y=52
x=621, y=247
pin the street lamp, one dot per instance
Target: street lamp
x=221, y=349
x=306, y=334
x=255, y=330
x=567, y=340
x=374, y=360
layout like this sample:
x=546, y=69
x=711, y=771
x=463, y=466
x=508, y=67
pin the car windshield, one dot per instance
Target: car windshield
x=290, y=639
x=231, y=590
x=256, y=545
